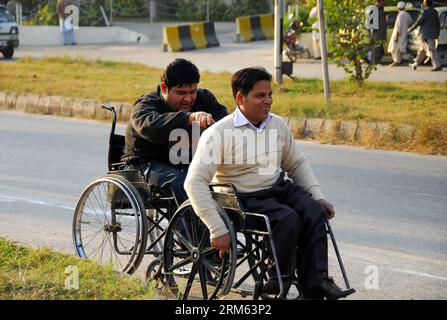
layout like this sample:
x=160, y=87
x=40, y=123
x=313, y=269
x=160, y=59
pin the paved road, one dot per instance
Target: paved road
x=229, y=56
x=391, y=206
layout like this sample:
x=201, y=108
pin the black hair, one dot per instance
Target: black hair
x=429, y=2
x=180, y=72
x=245, y=79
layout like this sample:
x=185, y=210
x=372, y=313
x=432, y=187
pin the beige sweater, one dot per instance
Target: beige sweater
x=226, y=154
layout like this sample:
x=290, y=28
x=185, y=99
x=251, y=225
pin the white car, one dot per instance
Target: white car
x=9, y=33
x=442, y=40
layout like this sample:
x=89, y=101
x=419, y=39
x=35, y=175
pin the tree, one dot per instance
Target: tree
x=349, y=40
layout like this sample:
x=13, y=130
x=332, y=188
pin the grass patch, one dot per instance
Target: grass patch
x=42, y=274
x=421, y=104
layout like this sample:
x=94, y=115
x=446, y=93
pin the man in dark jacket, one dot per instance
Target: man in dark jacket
x=429, y=22
x=176, y=104
x=379, y=35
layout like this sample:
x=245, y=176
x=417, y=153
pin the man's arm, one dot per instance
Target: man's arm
x=422, y=17
x=147, y=121
x=213, y=107
x=200, y=173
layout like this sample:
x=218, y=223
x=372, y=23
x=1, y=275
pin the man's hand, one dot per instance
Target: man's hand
x=328, y=207
x=222, y=244
x=204, y=119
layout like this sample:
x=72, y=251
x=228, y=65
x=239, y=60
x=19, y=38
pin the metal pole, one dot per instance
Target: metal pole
x=327, y=91
x=207, y=11
x=153, y=8
x=278, y=41
x=111, y=11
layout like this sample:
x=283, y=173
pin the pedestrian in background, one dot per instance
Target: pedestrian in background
x=399, y=37
x=65, y=23
x=379, y=35
x=315, y=33
x=429, y=23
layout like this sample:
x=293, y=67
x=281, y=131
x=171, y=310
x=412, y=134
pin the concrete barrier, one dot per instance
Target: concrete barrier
x=190, y=36
x=51, y=35
x=253, y=28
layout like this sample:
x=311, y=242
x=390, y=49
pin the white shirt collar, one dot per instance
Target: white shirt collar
x=240, y=120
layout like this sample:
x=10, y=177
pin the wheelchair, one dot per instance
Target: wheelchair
x=119, y=217
x=192, y=269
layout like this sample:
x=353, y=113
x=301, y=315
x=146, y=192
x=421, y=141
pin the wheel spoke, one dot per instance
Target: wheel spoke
x=211, y=268
x=101, y=221
x=193, y=228
x=95, y=252
x=180, y=264
x=95, y=234
x=185, y=228
x=190, y=281
x=203, y=283
x=185, y=242
x=100, y=206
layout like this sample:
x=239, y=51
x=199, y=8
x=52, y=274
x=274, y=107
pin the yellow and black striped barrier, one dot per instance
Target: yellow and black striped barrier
x=190, y=36
x=253, y=28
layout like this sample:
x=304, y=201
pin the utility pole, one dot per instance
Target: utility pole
x=277, y=48
x=111, y=11
x=207, y=10
x=327, y=91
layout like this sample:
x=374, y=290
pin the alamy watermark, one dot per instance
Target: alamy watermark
x=72, y=279
x=233, y=146
x=72, y=20
x=372, y=278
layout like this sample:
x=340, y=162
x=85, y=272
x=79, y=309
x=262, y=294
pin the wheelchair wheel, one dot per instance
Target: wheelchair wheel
x=193, y=269
x=110, y=224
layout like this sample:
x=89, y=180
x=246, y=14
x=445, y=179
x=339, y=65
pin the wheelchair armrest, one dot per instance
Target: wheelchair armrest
x=223, y=185
x=229, y=202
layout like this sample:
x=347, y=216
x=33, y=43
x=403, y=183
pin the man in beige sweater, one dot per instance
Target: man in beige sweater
x=251, y=149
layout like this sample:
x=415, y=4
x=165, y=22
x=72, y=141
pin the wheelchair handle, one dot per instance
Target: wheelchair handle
x=111, y=108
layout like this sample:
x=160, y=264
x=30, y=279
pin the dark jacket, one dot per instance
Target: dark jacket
x=380, y=34
x=429, y=22
x=151, y=121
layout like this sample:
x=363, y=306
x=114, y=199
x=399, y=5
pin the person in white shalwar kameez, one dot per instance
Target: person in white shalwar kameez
x=398, y=41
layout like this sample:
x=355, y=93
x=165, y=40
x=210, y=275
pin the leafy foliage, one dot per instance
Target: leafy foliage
x=191, y=10
x=348, y=39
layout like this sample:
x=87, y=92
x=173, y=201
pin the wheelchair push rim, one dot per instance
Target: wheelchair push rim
x=110, y=224
x=192, y=267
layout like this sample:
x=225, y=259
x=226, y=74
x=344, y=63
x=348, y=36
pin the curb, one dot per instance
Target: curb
x=352, y=132
x=371, y=134
x=61, y=106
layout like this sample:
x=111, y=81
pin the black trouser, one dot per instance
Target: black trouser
x=297, y=220
x=164, y=175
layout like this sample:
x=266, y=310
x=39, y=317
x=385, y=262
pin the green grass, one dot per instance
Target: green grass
x=42, y=274
x=421, y=104
x=395, y=102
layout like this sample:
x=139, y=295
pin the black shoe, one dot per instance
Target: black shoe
x=270, y=290
x=436, y=69
x=333, y=292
